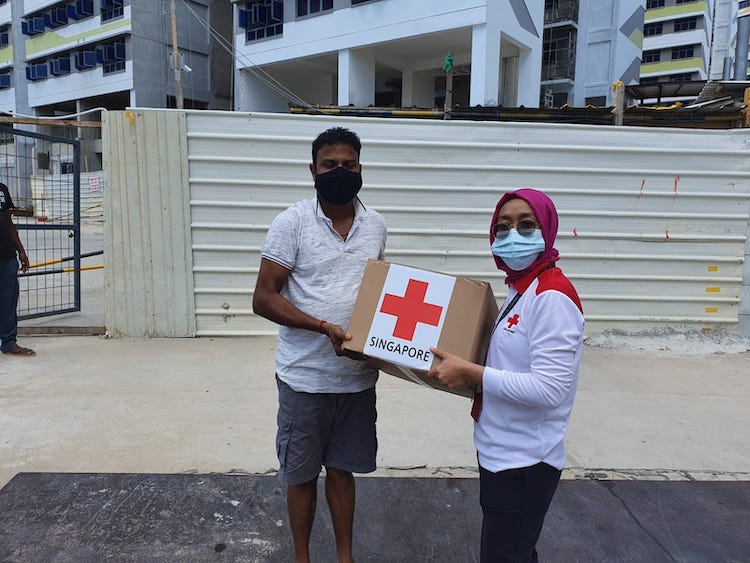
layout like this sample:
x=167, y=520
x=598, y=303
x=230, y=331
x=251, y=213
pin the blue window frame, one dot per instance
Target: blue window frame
x=59, y=66
x=307, y=7
x=36, y=72
x=112, y=9
x=85, y=60
x=262, y=19
x=33, y=26
x=4, y=80
x=111, y=56
x=56, y=17
x=4, y=38
x=81, y=9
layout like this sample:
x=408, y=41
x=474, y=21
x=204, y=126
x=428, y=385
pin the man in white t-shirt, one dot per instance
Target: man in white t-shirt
x=313, y=259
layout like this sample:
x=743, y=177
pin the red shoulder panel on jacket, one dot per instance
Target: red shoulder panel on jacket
x=554, y=279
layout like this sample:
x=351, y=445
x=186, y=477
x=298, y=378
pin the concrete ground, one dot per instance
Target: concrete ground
x=109, y=408
x=93, y=404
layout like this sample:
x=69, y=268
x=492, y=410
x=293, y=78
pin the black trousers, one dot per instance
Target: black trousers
x=514, y=503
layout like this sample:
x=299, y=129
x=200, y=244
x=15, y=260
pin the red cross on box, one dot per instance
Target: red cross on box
x=411, y=309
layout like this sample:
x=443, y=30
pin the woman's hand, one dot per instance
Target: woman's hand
x=454, y=371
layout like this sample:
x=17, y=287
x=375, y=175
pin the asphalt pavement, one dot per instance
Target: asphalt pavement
x=648, y=426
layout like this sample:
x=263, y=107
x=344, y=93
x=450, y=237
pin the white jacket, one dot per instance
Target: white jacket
x=531, y=376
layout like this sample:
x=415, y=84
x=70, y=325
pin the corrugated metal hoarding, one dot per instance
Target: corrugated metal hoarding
x=653, y=222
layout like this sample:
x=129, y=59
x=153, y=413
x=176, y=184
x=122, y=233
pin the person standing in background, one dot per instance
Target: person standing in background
x=11, y=252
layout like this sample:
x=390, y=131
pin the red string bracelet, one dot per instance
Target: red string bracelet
x=320, y=325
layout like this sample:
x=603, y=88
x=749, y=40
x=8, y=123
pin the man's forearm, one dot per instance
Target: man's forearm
x=15, y=240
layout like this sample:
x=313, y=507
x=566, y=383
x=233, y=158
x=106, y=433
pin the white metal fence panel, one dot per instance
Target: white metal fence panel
x=53, y=200
x=148, y=276
x=653, y=222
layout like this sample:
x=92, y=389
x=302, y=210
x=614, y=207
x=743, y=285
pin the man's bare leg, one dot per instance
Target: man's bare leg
x=300, y=502
x=340, y=495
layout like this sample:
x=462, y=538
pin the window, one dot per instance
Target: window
x=59, y=66
x=32, y=26
x=36, y=72
x=4, y=37
x=681, y=77
x=654, y=4
x=684, y=52
x=56, y=17
x=81, y=9
x=111, y=56
x=4, y=80
x=652, y=29
x=648, y=80
x=85, y=60
x=685, y=24
x=112, y=9
x=684, y=1
x=307, y=7
x=355, y=2
x=651, y=56
x=262, y=19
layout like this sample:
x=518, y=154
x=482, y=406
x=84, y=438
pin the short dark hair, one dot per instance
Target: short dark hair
x=335, y=136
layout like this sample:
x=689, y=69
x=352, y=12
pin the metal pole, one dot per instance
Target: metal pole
x=176, y=61
x=448, y=105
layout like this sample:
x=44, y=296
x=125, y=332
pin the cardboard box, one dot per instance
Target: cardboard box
x=401, y=311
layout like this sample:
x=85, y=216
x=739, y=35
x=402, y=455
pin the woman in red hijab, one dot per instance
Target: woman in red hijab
x=529, y=380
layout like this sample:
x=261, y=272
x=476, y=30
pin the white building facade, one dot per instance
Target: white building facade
x=392, y=53
x=65, y=56
x=689, y=40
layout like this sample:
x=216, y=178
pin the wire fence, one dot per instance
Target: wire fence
x=43, y=175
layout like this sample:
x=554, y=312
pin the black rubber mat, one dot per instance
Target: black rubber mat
x=55, y=517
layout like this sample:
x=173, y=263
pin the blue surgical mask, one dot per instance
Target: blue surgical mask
x=517, y=251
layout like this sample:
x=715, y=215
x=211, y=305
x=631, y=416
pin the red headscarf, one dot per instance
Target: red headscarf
x=546, y=214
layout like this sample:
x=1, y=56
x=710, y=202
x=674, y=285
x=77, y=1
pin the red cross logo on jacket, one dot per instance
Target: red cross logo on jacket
x=513, y=321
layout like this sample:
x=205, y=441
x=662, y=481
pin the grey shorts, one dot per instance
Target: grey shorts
x=332, y=429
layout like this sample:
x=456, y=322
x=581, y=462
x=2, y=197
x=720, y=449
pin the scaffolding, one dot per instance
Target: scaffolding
x=559, y=54
x=556, y=11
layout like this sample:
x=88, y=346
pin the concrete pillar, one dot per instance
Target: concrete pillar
x=418, y=88
x=22, y=196
x=407, y=88
x=743, y=39
x=485, y=66
x=529, y=77
x=356, y=77
x=254, y=95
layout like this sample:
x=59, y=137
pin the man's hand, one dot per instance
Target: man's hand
x=24, y=261
x=337, y=335
x=454, y=371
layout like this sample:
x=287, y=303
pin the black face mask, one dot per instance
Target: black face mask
x=338, y=186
